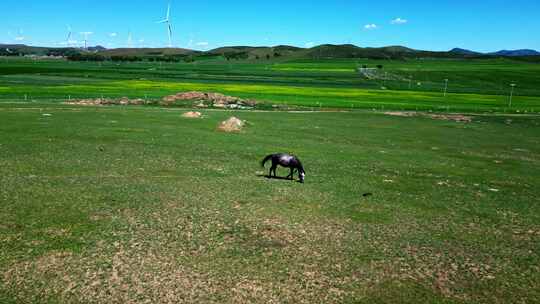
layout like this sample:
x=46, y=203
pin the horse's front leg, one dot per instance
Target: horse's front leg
x=290, y=176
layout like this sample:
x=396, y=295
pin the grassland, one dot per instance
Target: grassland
x=474, y=85
x=137, y=204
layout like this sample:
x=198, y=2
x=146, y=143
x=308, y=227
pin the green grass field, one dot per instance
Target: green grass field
x=474, y=85
x=135, y=204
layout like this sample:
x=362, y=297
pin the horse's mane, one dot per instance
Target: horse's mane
x=300, y=167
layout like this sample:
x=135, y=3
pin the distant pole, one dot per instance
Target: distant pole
x=445, y=86
x=513, y=85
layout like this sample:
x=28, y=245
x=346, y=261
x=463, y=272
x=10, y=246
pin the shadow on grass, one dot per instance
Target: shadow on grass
x=278, y=178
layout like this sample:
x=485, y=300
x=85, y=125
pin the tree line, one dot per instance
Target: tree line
x=79, y=56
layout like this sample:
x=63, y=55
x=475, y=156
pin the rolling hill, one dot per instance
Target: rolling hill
x=325, y=51
x=464, y=52
x=147, y=52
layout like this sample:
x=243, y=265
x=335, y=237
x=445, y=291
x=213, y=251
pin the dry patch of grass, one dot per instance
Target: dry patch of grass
x=151, y=267
x=119, y=275
x=124, y=101
x=216, y=255
x=451, y=117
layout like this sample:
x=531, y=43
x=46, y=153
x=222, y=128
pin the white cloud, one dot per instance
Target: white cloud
x=204, y=43
x=113, y=35
x=371, y=26
x=399, y=21
x=310, y=44
x=19, y=37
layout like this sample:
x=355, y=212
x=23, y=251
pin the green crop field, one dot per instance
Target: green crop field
x=135, y=204
x=474, y=85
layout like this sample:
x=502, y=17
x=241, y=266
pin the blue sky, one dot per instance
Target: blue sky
x=205, y=24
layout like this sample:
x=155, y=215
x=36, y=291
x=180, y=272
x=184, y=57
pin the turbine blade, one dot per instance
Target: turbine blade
x=168, y=11
x=162, y=21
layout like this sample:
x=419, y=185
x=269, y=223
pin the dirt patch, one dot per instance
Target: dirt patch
x=232, y=124
x=192, y=115
x=452, y=117
x=449, y=117
x=207, y=99
x=124, y=101
x=401, y=114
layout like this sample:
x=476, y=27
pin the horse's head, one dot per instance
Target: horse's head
x=301, y=176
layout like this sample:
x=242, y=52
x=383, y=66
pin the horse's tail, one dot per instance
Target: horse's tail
x=266, y=159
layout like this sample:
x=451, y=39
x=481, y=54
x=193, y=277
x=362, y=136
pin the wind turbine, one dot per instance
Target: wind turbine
x=86, y=34
x=70, y=33
x=130, y=40
x=167, y=21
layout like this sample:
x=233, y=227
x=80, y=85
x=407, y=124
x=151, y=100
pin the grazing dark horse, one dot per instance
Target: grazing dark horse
x=287, y=161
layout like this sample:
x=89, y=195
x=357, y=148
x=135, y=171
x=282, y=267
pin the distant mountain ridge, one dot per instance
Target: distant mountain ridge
x=323, y=51
x=504, y=53
x=514, y=53
x=464, y=51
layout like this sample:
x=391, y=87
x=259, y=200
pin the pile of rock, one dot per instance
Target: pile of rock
x=232, y=124
x=124, y=101
x=192, y=115
x=205, y=99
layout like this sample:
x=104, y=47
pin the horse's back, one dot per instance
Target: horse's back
x=284, y=159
